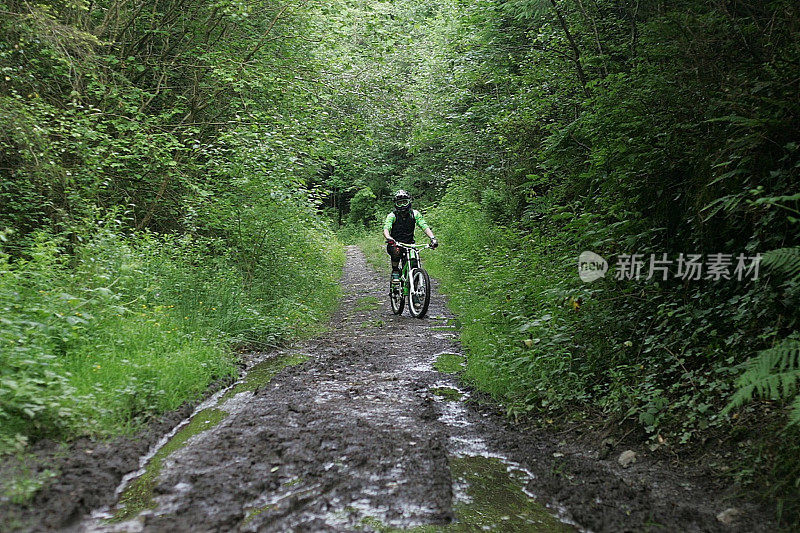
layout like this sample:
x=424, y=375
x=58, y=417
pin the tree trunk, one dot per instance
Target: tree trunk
x=576, y=52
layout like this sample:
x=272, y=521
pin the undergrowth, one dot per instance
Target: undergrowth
x=123, y=327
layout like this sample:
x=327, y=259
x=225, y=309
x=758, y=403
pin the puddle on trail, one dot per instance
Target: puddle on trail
x=489, y=495
x=489, y=490
x=450, y=394
x=137, y=489
x=138, y=495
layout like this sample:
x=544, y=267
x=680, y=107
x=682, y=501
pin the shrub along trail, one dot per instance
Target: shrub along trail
x=369, y=428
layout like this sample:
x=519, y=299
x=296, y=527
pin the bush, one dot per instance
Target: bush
x=362, y=207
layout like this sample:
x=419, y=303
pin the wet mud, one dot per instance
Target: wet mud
x=367, y=428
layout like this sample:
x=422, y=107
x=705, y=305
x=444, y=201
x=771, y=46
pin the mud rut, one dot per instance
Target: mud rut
x=366, y=434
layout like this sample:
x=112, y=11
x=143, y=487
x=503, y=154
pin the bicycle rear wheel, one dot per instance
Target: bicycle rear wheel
x=396, y=298
x=420, y=296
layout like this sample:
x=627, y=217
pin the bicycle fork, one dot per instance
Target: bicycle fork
x=408, y=288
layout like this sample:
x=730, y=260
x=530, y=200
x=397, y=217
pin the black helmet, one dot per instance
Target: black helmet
x=402, y=200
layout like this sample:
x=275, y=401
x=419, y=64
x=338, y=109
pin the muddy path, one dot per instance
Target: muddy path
x=366, y=427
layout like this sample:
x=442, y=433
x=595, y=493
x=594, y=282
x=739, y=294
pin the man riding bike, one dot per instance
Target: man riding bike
x=399, y=227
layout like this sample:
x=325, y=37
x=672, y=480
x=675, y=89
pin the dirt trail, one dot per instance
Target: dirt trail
x=365, y=434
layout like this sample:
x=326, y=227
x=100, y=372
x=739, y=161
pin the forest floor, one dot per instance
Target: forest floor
x=366, y=427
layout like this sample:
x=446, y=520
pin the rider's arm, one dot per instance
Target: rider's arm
x=423, y=224
x=387, y=225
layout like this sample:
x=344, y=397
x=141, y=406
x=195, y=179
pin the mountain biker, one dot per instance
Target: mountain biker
x=399, y=227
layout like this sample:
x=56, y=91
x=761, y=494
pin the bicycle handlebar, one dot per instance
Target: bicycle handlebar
x=412, y=246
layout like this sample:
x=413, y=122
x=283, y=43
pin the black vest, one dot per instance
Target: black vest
x=403, y=227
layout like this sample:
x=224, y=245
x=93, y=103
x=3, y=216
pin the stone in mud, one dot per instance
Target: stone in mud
x=626, y=458
x=729, y=515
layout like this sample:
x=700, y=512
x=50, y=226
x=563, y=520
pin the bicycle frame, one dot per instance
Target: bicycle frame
x=410, y=260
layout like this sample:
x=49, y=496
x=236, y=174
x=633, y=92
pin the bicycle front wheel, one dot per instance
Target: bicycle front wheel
x=420, y=294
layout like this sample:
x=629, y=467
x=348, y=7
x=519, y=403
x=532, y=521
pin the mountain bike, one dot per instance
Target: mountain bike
x=415, y=284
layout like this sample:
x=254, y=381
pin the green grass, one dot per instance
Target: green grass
x=495, y=285
x=155, y=369
x=449, y=363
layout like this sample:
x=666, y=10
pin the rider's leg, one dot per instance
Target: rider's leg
x=396, y=253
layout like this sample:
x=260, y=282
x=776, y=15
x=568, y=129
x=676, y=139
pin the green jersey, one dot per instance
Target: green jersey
x=402, y=228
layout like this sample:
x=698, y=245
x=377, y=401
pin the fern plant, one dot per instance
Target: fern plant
x=775, y=372
x=786, y=260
